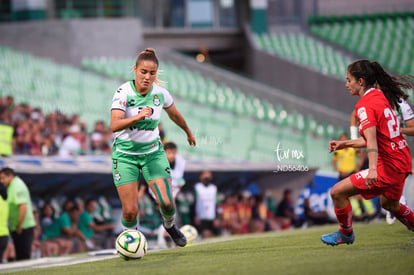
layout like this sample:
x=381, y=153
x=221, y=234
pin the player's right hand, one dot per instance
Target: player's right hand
x=371, y=178
x=191, y=140
x=145, y=112
x=335, y=145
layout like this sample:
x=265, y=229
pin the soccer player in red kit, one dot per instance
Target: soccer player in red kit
x=388, y=153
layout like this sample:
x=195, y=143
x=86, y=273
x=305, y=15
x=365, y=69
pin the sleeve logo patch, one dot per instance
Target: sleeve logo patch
x=362, y=114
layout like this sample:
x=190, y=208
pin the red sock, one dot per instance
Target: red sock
x=344, y=217
x=406, y=216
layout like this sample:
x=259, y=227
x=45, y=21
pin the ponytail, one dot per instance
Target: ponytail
x=390, y=85
x=375, y=76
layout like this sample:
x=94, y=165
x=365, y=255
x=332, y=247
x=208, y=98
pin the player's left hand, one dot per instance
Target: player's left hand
x=191, y=140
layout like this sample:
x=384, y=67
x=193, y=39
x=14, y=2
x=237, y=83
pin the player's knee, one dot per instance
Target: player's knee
x=335, y=194
x=130, y=213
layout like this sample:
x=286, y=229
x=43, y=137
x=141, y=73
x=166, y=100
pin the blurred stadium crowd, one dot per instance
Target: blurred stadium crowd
x=53, y=134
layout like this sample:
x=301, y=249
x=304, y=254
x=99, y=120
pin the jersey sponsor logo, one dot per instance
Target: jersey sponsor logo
x=157, y=100
x=168, y=170
x=131, y=103
x=146, y=125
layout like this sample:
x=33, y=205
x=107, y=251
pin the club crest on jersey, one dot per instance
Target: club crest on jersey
x=117, y=176
x=157, y=100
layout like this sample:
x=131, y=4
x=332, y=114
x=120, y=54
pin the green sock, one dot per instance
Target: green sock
x=129, y=225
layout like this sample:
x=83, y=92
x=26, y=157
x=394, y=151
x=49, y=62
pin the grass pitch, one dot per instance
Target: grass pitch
x=379, y=248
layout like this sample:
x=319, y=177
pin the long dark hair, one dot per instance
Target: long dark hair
x=375, y=76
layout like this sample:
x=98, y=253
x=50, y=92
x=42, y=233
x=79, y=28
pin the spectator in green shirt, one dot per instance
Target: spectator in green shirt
x=88, y=226
x=50, y=226
x=66, y=226
x=21, y=219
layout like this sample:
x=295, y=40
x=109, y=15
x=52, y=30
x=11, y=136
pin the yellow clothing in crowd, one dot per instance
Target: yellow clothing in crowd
x=346, y=160
x=368, y=205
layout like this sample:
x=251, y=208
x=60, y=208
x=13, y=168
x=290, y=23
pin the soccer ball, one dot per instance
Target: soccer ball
x=190, y=232
x=131, y=244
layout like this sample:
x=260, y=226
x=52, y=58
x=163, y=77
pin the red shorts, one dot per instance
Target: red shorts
x=389, y=183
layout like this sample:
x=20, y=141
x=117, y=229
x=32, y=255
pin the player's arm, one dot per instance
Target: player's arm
x=353, y=121
x=119, y=122
x=100, y=227
x=22, y=214
x=73, y=231
x=408, y=117
x=178, y=119
x=370, y=134
x=409, y=130
x=356, y=143
x=335, y=145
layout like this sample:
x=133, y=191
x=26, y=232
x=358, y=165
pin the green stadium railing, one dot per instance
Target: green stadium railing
x=386, y=38
x=305, y=50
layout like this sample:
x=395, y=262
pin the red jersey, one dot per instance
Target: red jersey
x=373, y=109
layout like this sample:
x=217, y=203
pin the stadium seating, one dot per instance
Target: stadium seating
x=386, y=38
x=227, y=123
x=51, y=86
x=303, y=49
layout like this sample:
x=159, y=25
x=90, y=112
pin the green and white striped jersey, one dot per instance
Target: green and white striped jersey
x=143, y=136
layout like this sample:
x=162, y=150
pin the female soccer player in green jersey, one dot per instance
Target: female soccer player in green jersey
x=135, y=114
